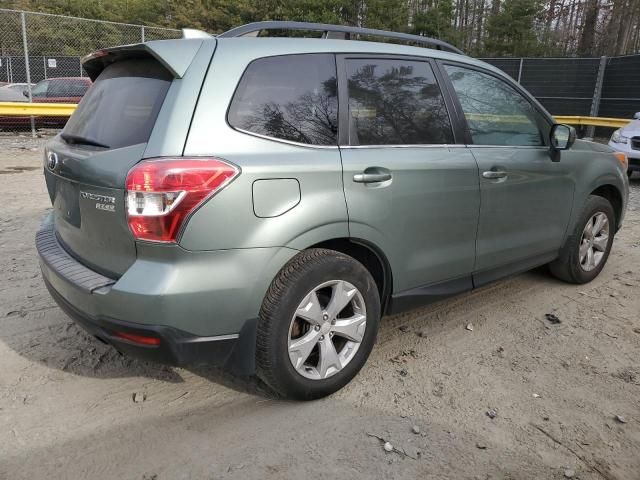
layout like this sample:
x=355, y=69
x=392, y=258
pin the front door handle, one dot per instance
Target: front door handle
x=371, y=177
x=493, y=174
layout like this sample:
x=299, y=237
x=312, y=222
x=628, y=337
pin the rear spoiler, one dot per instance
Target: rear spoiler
x=174, y=55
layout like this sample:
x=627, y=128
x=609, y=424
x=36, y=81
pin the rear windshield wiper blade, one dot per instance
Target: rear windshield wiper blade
x=79, y=140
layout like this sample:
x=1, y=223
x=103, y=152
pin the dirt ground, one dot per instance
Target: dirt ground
x=67, y=406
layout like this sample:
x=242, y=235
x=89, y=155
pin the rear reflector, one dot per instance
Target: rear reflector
x=163, y=192
x=140, y=339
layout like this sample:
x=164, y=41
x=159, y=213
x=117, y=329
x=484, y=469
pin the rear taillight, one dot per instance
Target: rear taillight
x=162, y=193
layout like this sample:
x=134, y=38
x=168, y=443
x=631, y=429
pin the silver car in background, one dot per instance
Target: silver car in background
x=13, y=92
x=627, y=141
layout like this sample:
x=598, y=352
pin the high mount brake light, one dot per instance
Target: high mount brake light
x=163, y=192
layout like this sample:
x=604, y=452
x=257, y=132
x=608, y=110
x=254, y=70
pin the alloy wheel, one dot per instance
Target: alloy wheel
x=593, y=244
x=327, y=329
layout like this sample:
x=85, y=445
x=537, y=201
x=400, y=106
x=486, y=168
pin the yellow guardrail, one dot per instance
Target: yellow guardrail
x=487, y=117
x=593, y=121
x=21, y=109
x=570, y=120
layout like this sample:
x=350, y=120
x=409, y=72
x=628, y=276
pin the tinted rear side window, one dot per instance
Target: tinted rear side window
x=395, y=102
x=292, y=97
x=122, y=105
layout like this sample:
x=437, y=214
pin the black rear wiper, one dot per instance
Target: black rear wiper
x=78, y=140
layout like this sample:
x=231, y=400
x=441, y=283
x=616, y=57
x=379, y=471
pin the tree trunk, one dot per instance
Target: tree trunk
x=495, y=7
x=587, y=38
x=480, y=25
x=624, y=37
x=613, y=28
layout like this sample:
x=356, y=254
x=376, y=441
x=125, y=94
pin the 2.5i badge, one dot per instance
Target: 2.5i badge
x=103, y=202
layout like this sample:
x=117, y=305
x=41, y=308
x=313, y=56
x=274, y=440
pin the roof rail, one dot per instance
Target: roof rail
x=253, y=29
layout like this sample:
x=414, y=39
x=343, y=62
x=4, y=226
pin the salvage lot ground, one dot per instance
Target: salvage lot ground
x=67, y=408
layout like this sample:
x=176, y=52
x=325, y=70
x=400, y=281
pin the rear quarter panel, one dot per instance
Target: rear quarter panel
x=228, y=220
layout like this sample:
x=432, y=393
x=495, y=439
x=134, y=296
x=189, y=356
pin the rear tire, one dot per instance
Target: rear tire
x=308, y=345
x=587, y=249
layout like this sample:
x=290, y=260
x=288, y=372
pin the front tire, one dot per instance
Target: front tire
x=587, y=249
x=318, y=323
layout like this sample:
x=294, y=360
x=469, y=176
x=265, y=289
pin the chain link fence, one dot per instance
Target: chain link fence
x=40, y=58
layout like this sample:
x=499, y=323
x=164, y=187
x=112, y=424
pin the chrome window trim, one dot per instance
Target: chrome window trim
x=519, y=147
x=282, y=140
x=425, y=145
x=359, y=147
x=446, y=145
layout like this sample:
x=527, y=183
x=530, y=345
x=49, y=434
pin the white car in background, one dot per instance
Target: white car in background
x=13, y=92
x=627, y=141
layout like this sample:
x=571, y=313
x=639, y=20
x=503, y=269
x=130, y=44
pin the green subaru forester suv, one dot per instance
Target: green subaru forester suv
x=258, y=203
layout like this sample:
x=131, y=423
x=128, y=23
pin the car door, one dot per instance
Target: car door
x=55, y=94
x=526, y=197
x=75, y=90
x=410, y=188
x=59, y=91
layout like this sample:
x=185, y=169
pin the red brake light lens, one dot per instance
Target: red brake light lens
x=162, y=193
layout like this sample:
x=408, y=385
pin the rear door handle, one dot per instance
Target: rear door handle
x=493, y=174
x=371, y=177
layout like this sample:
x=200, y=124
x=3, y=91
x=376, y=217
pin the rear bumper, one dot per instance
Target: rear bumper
x=175, y=347
x=200, y=306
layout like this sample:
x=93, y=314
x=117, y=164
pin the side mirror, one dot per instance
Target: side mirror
x=25, y=92
x=562, y=137
x=636, y=116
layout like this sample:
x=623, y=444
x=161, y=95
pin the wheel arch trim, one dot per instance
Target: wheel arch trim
x=611, y=191
x=347, y=245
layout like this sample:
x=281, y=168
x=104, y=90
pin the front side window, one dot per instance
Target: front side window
x=395, y=102
x=496, y=113
x=291, y=97
x=40, y=90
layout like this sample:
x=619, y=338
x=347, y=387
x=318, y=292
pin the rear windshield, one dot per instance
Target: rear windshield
x=121, y=107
